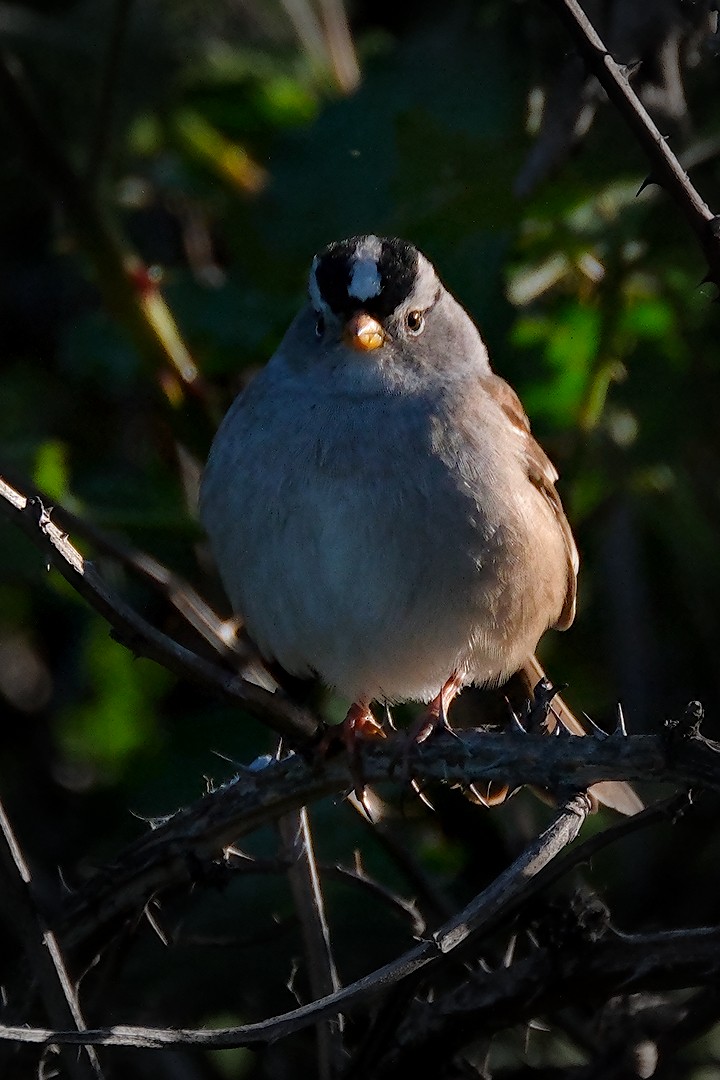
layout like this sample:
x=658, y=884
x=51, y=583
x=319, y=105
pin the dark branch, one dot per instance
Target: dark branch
x=504, y=895
x=42, y=949
x=171, y=854
x=304, y=880
x=666, y=170
x=545, y=981
x=275, y=710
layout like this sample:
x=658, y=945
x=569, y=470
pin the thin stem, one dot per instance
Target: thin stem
x=43, y=951
x=139, y=635
x=666, y=170
x=304, y=881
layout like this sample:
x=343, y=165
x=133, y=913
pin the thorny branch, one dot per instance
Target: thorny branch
x=170, y=854
x=502, y=896
x=544, y=981
x=666, y=170
x=606, y=960
x=42, y=949
x=35, y=520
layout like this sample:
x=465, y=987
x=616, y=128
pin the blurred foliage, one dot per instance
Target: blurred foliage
x=227, y=147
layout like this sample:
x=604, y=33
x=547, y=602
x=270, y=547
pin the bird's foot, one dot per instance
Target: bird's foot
x=433, y=719
x=435, y=716
x=358, y=725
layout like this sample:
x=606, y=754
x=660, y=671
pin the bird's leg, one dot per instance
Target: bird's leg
x=435, y=716
x=358, y=724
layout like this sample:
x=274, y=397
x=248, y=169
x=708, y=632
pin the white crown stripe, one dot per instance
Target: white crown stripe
x=365, y=281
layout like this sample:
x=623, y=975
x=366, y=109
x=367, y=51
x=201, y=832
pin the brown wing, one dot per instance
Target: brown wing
x=543, y=475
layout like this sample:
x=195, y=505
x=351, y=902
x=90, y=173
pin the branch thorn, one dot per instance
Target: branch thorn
x=620, y=728
x=516, y=727
x=595, y=731
x=647, y=182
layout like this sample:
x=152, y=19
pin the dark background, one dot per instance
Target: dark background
x=227, y=143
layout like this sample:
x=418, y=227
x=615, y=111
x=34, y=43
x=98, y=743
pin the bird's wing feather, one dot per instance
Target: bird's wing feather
x=543, y=475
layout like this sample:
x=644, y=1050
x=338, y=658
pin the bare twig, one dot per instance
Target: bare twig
x=501, y=897
x=218, y=632
x=43, y=951
x=256, y=797
x=543, y=982
x=666, y=170
x=304, y=881
x=430, y=901
x=504, y=888
x=272, y=709
x=237, y=862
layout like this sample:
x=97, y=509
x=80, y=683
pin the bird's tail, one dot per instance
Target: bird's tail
x=616, y=794
x=519, y=690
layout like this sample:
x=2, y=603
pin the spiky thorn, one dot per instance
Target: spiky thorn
x=509, y=954
x=516, y=727
x=594, y=731
x=649, y=180
x=620, y=731
x=356, y=797
x=420, y=792
x=473, y=794
x=630, y=69
x=495, y=793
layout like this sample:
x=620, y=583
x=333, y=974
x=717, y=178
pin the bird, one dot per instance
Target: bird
x=379, y=511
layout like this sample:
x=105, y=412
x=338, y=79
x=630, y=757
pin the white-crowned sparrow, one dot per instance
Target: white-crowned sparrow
x=379, y=512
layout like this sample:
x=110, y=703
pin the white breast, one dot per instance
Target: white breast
x=359, y=545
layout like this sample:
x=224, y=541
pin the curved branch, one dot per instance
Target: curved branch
x=275, y=710
x=174, y=853
x=543, y=982
x=505, y=893
x=666, y=170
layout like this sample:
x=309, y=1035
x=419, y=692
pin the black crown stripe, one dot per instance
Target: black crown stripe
x=397, y=266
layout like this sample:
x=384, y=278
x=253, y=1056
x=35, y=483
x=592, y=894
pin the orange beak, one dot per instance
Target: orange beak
x=363, y=333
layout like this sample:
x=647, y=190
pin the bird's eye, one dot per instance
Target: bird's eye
x=319, y=326
x=415, y=322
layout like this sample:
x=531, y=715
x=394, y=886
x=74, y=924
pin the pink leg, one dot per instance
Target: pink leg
x=360, y=724
x=435, y=716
